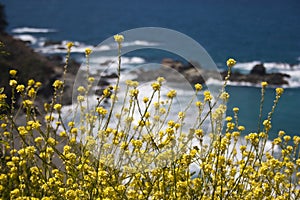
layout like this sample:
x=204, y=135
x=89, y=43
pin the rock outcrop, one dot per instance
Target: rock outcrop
x=259, y=74
x=199, y=75
x=31, y=65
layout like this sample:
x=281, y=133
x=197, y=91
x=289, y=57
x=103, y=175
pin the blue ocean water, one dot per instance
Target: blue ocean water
x=265, y=31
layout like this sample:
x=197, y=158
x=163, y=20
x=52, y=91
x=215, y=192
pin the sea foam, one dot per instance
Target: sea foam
x=32, y=30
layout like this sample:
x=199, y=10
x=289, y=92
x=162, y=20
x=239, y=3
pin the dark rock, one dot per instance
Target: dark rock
x=56, y=58
x=272, y=79
x=176, y=71
x=112, y=75
x=277, y=79
x=193, y=76
x=103, y=82
x=32, y=65
x=52, y=42
x=258, y=69
x=177, y=65
x=194, y=73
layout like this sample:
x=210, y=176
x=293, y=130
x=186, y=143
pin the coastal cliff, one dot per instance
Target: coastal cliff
x=31, y=65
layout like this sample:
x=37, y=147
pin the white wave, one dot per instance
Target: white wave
x=294, y=80
x=109, y=64
x=139, y=43
x=211, y=81
x=32, y=30
x=112, y=46
x=244, y=84
x=136, y=60
x=280, y=67
x=61, y=48
x=80, y=47
x=102, y=48
x=102, y=60
x=26, y=38
x=270, y=66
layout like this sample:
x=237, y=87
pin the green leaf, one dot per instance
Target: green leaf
x=1, y=90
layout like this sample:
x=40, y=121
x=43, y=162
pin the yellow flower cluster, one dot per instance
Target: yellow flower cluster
x=198, y=87
x=171, y=94
x=57, y=84
x=230, y=62
x=70, y=45
x=141, y=151
x=13, y=72
x=119, y=38
x=207, y=96
x=88, y=51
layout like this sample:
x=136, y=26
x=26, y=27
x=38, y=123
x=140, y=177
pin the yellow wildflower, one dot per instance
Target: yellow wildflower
x=235, y=109
x=267, y=125
x=287, y=138
x=2, y=97
x=264, y=84
x=160, y=79
x=228, y=118
x=155, y=86
x=230, y=62
x=171, y=94
x=241, y=128
x=38, y=84
x=22, y=130
x=225, y=96
x=74, y=130
x=30, y=82
x=51, y=141
x=71, y=124
x=13, y=83
x=13, y=72
x=69, y=45
x=101, y=111
x=57, y=107
x=279, y=91
x=281, y=133
x=106, y=92
x=80, y=98
x=63, y=134
x=88, y=51
x=198, y=104
x=145, y=99
x=38, y=139
x=20, y=88
x=27, y=103
x=57, y=84
x=91, y=79
x=31, y=93
x=207, y=96
x=181, y=115
x=119, y=38
x=198, y=87
x=134, y=92
x=199, y=132
x=81, y=89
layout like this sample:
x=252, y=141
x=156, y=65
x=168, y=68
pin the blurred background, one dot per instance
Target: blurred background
x=253, y=32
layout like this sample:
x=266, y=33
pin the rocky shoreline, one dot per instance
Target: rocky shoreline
x=256, y=76
x=47, y=69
